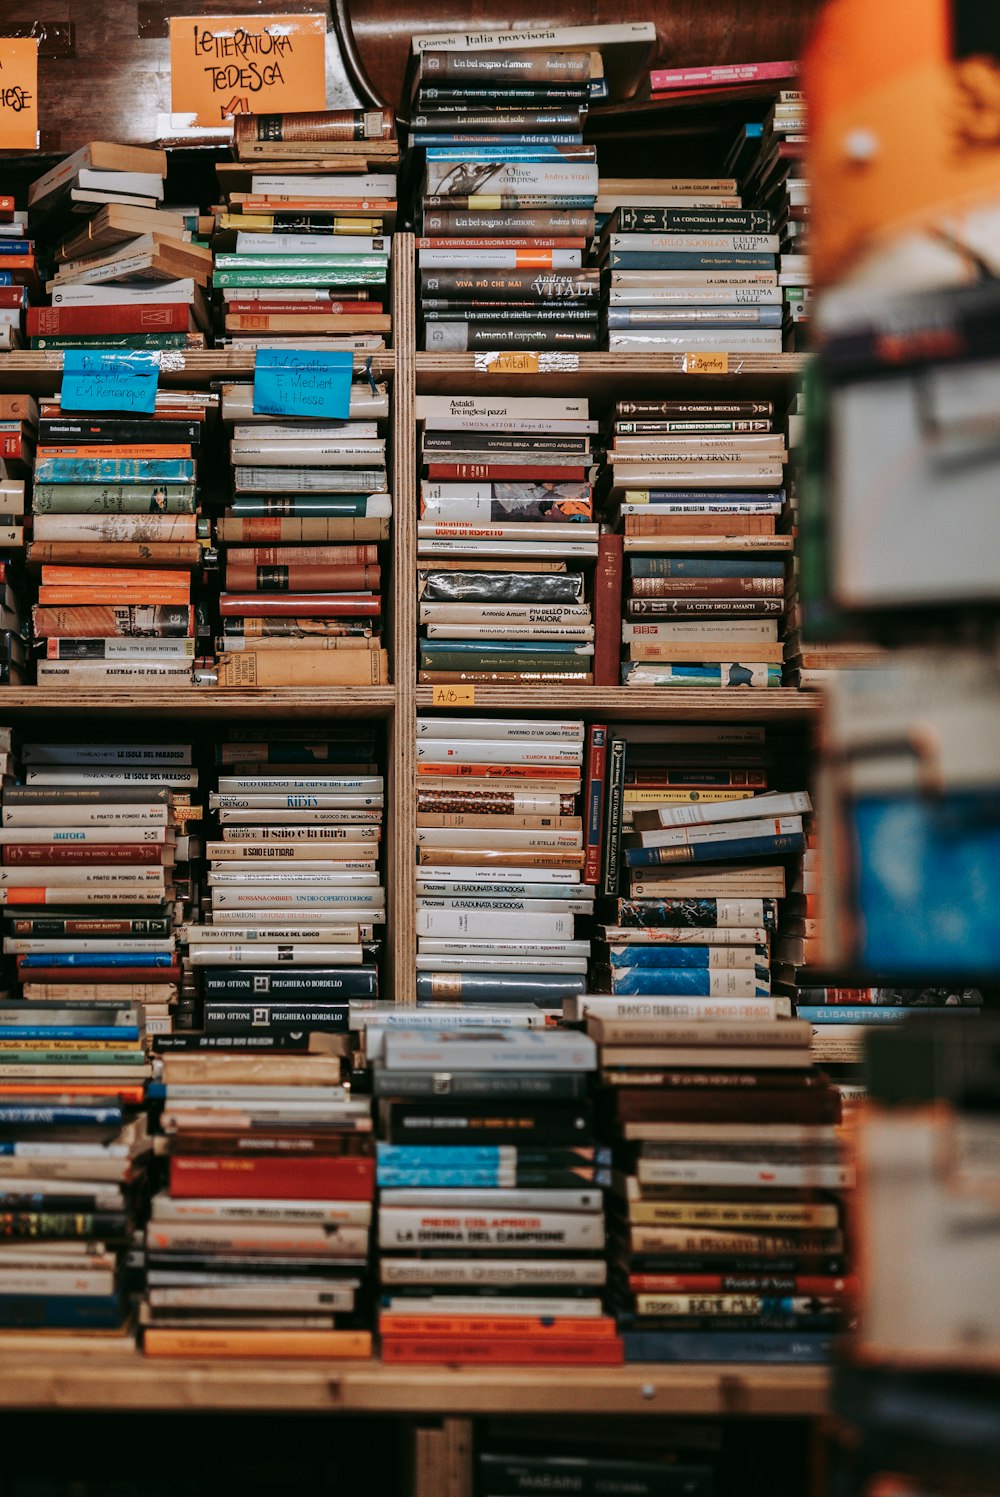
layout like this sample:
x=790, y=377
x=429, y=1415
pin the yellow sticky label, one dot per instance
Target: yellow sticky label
x=706, y=363
x=453, y=696
x=513, y=363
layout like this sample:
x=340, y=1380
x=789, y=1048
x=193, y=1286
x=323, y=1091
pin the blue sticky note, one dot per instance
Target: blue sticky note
x=303, y=382
x=109, y=379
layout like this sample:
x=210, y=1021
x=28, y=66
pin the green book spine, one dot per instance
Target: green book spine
x=112, y=499
x=487, y=660
x=112, y=340
x=317, y=279
x=278, y=261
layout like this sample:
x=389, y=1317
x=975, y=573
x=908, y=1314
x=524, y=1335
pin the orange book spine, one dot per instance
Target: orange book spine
x=517, y=857
x=699, y=525
x=295, y=667
x=108, y=593
x=314, y=205
x=282, y=556
x=575, y=1328
x=504, y=1350
x=502, y=771
x=69, y=1089
x=148, y=451
x=99, y=576
x=331, y=1345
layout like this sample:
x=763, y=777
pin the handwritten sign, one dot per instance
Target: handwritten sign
x=226, y=65
x=107, y=379
x=705, y=363
x=513, y=363
x=303, y=382
x=453, y=696
x=19, y=93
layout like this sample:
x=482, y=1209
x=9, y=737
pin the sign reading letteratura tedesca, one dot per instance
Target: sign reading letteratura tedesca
x=226, y=65
x=19, y=93
x=303, y=382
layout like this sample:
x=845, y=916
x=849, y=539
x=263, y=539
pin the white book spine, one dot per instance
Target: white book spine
x=319, y=784
x=690, y=836
x=525, y=729
x=141, y=836
x=249, y=953
x=499, y=1272
x=25, y=945
x=255, y=936
x=280, y=877
x=172, y=779
x=690, y=935
x=486, y=837
x=438, y=946
x=492, y=259
x=794, y=804
x=490, y=410
x=677, y=1008
x=567, y=967
x=59, y=875
x=243, y=897
x=451, y=924
x=310, y=244
x=548, y=1231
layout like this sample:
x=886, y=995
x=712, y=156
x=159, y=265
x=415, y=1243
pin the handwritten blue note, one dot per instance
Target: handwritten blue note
x=303, y=382
x=109, y=379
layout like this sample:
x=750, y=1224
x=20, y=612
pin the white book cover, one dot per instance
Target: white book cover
x=548, y=1231
x=451, y=924
x=373, y=185
x=509, y=729
x=435, y=946
x=565, y=966
x=507, y=1273
x=312, y=954
x=730, y=340
x=697, y=1009
x=796, y=803
x=573, y=38
x=83, y=295
x=311, y=244
x=690, y=836
x=288, y=783
x=531, y=1050
x=489, y=412
x=511, y=878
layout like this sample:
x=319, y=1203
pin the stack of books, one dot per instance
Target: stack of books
x=258, y=1246
x=688, y=269
x=775, y=182
x=129, y=272
x=117, y=535
x=501, y=861
x=697, y=487
x=506, y=525
x=507, y=193
x=586, y=1461
x=73, y=1154
x=20, y=284
x=307, y=610
x=18, y=435
x=302, y=246
x=106, y=834
x=491, y=1251
x=728, y=1236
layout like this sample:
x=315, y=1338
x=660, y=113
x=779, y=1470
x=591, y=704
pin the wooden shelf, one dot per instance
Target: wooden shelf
x=201, y=702
x=102, y=1380
x=41, y=373
x=658, y=704
x=607, y=375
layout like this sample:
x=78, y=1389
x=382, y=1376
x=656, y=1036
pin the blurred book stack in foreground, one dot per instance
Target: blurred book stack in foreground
x=776, y=183
x=302, y=598
x=18, y=435
x=697, y=487
x=129, y=271
x=302, y=246
x=490, y=1213
x=506, y=523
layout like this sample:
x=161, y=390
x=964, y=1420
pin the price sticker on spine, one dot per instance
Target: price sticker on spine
x=303, y=382
x=705, y=363
x=109, y=379
x=453, y=696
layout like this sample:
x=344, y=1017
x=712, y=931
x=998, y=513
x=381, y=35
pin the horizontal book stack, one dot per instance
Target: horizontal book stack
x=258, y=1245
x=585, y=1461
x=302, y=246
x=117, y=536
x=775, y=181
x=688, y=269
x=302, y=602
x=18, y=436
x=100, y=847
x=728, y=1229
x=20, y=275
x=506, y=525
x=129, y=272
x=491, y=1251
x=506, y=198
x=697, y=488
x=73, y=1155
x=500, y=861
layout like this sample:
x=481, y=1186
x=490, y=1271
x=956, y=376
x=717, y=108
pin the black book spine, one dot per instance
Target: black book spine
x=87, y=795
x=482, y=1085
x=532, y=1124
x=592, y=1477
x=460, y=441
x=499, y=335
x=556, y=223
x=613, y=817
x=445, y=311
x=79, y=925
x=688, y=408
x=266, y=984
x=94, y=432
x=194, y=1043
x=654, y=220
x=251, y=1018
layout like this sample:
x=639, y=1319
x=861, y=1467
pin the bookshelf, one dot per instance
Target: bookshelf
x=46, y=1379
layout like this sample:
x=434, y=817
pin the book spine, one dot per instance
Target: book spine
x=608, y=583
x=595, y=773
x=614, y=816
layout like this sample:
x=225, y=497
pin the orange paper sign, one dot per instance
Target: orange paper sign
x=226, y=65
x=19, y=93
x=453, y=696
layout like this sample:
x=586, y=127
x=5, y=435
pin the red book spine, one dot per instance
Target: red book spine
x=12, y=446
x=498, y=472
x=708, y=587
x=515, y=1350
x=811, y=1105
x=326, y=308
x=150, y=317
x=608, y=610
x=594, y=773
x=12, y=296
x=278, y=1177
x=283, y=556
x=99, y=974
x=301, y=577
x=145, y=855
x=717, y=1283
x=300, y=605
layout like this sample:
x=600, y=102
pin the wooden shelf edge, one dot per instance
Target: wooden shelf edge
x=604, y=373
x=130, y=1381
x=36, y=371
x=663, y=704
x=202, y=701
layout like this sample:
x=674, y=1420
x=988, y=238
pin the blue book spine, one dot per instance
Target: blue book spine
x=68, y=1032
x=6, y=278
x=501, y=647
x=97, y=959
x=670, y=982
x=727, y=1346
x=761, y=677
x=699, y=566
x=711, y=318
x=716, y=852
x=20, y=1114
x=499, y=152
x=113, y=470
x=429, y=138
x=478, y=1156
x=60, y=1311
x=17, y=246
x=834, y=1013
x=669, y=956
x=689, y=260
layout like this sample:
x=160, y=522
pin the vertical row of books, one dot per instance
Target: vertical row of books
x=505, y=197
x=258, y=1243
x=20, y=274
x=302, y=545
x=506, y=526
x=99, y=844
x=302, y=238
x=697, y=487
x=18, y=438
x=776, y=183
